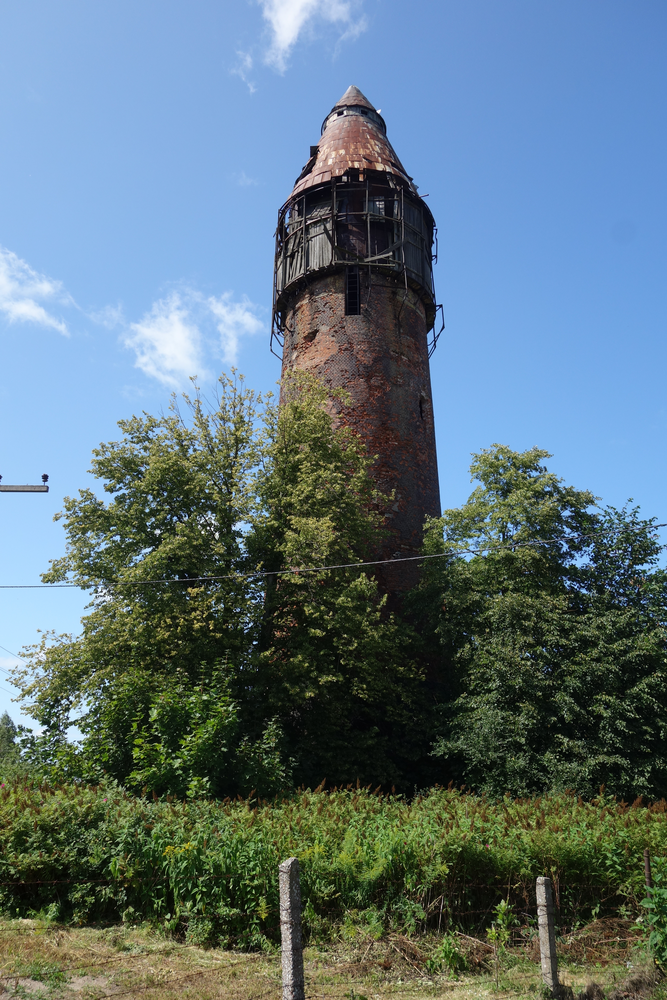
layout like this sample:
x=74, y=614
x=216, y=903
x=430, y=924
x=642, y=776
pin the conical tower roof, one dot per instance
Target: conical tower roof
x=354, y=136
x=353, y=97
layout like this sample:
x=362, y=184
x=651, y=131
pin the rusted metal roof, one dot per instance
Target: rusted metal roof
x=353, y=137
x=353, y=96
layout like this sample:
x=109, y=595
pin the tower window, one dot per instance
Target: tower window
x=352, y=292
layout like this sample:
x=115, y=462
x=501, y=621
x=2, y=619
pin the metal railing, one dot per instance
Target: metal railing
x=366, y=223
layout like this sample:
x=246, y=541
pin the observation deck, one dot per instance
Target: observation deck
x=353, y=205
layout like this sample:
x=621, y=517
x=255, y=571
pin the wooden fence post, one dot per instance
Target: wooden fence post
x=545, y=923
x=290, y=930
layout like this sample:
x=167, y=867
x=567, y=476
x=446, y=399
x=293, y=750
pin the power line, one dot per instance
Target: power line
x=233, y=576
x=10, y=653
x=2, y=669
x=295, y=571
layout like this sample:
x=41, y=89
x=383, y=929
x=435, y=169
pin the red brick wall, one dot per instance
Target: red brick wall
x=381, y=358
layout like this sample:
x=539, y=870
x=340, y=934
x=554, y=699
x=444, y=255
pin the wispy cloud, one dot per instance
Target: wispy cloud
x=6, y=663
x=166, y=342
x=22, y=292
x=174, y=339
x=288, y=19
x=109, y=316
x=183, y=334
x=234, y=320
x=243, y=68
x=243, y=180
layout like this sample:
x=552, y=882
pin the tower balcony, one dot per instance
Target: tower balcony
x=362, y=219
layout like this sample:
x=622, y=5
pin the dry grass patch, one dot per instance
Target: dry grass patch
x=40, y=959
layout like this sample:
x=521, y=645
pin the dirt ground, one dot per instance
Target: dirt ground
x=40, y=959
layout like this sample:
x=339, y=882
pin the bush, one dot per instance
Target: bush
x=447, y=957
x=656, y=905
x=208, y=870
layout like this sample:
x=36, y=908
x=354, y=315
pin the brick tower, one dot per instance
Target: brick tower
x=354, y=303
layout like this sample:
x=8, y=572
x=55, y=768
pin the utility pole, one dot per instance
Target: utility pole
x=27, y=488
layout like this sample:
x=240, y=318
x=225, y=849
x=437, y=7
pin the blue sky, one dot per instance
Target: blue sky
x=148, y=144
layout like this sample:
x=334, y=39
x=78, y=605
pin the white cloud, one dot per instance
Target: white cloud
x=242, y=69
x=233, y=320
x=289, y=18
x=23, y=290
x=172, y=340
x=109, y=316
x=243, y=180
x=167, y=342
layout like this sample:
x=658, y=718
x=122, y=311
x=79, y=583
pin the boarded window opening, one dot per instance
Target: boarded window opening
x=352, y=292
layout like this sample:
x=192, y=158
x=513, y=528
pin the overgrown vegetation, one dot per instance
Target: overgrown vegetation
x=531, y=656
x=655, y=904
x=207, y=871
x=242, y=681
x=553, y=636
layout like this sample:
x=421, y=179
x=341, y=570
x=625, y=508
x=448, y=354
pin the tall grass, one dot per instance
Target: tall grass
x=209, y=870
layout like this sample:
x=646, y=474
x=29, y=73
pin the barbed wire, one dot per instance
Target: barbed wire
x=458, y=880
x=128, y=880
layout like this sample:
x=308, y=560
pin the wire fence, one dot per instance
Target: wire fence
x=289, y=886
x=513, y=981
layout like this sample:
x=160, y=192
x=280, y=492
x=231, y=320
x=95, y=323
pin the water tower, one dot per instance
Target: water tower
x=354, y=303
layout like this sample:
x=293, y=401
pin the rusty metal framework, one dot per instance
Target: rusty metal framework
x=366, y=221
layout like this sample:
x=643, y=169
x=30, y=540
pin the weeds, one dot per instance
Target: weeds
x=656, y=905
x=138, y=963
x=206, y=871
x=42, y=972
x=447, y=957
x=500, y=931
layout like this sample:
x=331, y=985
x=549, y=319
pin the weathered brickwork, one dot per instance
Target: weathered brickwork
x=380, y=357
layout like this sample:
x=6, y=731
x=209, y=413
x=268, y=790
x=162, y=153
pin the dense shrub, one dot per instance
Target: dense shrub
x=208, y=870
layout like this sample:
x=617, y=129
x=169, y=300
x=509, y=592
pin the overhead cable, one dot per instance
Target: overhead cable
x=296, y=570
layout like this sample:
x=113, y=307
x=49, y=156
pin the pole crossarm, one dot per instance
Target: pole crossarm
x=23, y=489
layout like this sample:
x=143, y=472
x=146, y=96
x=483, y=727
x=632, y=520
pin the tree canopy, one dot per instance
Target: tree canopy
x=218, y=657
x=554, y=635
x=239, y=680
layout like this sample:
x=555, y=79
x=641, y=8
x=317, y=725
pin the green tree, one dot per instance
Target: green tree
x=552, y=625
x=181, y=490
x=182, y=685
x=338, y=670
x=8, y=731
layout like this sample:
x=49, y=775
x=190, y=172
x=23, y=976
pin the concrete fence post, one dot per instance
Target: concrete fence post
x=545, y=923
x=648, y=879
x=290, y=930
